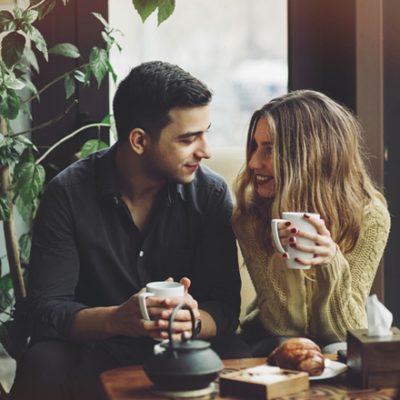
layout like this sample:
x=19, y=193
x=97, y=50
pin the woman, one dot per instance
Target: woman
x=303, y=154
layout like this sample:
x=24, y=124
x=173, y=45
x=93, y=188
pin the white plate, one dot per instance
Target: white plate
x=332, y=369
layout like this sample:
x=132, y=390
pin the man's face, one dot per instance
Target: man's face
x=181, y=146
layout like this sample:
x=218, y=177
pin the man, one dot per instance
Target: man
x=144, y=210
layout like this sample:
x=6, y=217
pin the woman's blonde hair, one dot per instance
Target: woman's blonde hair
x=318, y=167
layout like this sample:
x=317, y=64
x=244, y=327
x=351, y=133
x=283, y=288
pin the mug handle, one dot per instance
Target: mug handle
x=275, y=235
x=142, y=304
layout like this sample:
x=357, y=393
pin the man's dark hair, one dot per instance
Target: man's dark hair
x=144, y=98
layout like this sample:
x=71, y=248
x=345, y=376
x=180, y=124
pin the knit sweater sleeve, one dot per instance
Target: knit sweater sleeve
x=344, y=284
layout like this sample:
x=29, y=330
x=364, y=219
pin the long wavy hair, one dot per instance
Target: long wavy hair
x=318, y=167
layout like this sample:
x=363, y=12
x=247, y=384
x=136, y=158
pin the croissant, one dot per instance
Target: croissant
x=298, y=354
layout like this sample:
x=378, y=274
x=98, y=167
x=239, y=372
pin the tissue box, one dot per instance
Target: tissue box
x=262, y=382
x=373, y=361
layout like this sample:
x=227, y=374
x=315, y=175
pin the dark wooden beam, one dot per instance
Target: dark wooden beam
x=75, y=24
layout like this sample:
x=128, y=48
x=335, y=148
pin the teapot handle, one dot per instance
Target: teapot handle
x=182, y=306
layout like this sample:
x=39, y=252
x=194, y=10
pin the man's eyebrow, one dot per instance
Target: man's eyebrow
x=190, y=134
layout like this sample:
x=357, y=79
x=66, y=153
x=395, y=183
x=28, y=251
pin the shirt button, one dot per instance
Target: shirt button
x=141, y=253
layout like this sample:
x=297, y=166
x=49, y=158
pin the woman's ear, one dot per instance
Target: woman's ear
x=138, y=140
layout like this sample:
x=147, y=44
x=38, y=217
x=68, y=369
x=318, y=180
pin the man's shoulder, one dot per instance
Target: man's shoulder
x=80, y=172
x=206, y=177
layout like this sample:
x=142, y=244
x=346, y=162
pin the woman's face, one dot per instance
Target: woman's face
x=260, y=163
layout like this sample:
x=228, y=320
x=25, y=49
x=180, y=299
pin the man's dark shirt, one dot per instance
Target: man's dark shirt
x=87, y=252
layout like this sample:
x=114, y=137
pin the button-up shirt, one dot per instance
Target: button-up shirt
x=87, y=251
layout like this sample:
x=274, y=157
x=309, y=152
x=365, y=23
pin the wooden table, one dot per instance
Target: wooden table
x=130, y=383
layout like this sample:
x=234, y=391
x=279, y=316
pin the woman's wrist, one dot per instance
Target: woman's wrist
x=335, y=250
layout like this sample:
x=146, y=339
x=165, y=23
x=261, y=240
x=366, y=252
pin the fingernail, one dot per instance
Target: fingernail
x=285, y=255
x=296, y=259
x=306, y=216
x=287, y=223
x=293, y=230
x=292, y=240
x=292, y=244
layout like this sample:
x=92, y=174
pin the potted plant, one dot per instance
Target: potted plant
x=22, y=175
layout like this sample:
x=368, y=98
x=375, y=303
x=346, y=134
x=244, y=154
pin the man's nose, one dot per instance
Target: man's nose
x=204, y=150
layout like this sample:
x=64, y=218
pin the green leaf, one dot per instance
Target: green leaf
x=26, y=211
x=44, y=8
x=6, y=299
x=39, y=41
x=11, y=82
x=7, y=22
x=18, y=12
x=26, y=143
x=31, y=58
x=79, y=76
x=106, y=119
x=165, y=9
x=12, y=48
x=69, y=86
x=101, y=19
x=9, y=104
x=30, y=16
x=31, y=87
x=29, y=180
x=6, y=282
x=112, y=72
x=26, y=110
x=145, y=7
x=27, y=155
x=98, y=61
x=25, y=244
x=65, y=49
x=92, y=146
x=8, y=151
x=4, y=207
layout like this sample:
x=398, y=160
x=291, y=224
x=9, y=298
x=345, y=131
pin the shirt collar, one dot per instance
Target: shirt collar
x=107, y=178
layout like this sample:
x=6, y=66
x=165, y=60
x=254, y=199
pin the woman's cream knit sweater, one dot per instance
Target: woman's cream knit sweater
x=327, y=300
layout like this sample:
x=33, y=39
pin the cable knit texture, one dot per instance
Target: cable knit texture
x=327, y=300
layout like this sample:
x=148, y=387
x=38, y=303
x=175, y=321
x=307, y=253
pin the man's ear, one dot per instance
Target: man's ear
x=138, y=140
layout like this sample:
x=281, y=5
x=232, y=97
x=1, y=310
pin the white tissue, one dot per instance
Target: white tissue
x=380, y=319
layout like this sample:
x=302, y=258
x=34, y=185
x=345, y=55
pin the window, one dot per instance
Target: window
x=238, y=48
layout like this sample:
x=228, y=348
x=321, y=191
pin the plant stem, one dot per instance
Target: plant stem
x=51, y=83
x=10, y=235
x=65, y=138
x=52, y=121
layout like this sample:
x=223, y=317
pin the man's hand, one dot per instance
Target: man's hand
x=182, y=321
x=126, y=320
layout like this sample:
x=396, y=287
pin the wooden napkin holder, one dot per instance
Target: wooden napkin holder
x=373, y=361
x=262, y=382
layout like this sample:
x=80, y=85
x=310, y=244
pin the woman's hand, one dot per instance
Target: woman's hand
x=324, y=249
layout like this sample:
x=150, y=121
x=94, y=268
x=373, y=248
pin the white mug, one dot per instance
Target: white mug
x=297, y=219
x=160, y=289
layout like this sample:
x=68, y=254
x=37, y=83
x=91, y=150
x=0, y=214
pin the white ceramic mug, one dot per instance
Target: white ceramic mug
x=160, y=289
x=298, y=221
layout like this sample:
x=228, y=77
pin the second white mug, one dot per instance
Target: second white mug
x=297, y=219
x=160, y=289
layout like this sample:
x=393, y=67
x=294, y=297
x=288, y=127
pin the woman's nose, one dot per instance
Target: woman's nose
x=256, y=161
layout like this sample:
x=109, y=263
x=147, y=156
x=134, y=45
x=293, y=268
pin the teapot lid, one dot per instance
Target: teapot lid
x=187, y=344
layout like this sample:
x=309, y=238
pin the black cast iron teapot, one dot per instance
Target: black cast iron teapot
x=186, y=365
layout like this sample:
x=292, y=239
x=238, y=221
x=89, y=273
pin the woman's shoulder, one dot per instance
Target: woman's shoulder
x=377, y=215
x=377, y=208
